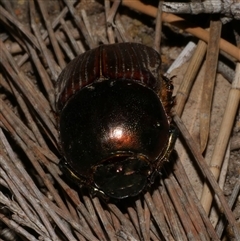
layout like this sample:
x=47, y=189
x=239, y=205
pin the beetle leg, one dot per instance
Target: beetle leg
x=166, y=96
x=169, y=147
x=68, y=171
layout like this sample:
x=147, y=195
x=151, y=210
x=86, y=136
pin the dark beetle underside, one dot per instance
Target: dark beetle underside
x=114, y=118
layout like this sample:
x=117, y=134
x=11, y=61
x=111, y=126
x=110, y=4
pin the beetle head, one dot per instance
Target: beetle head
x=122, y=176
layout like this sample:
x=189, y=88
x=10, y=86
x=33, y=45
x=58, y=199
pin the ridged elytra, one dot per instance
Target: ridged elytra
x=114, y=118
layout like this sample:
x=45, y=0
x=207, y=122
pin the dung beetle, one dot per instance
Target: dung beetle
x=114, y=119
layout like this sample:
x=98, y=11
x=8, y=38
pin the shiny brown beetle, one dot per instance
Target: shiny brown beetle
x=114, y=118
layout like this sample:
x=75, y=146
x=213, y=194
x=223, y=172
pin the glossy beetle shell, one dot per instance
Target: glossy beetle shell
x=114, y=118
